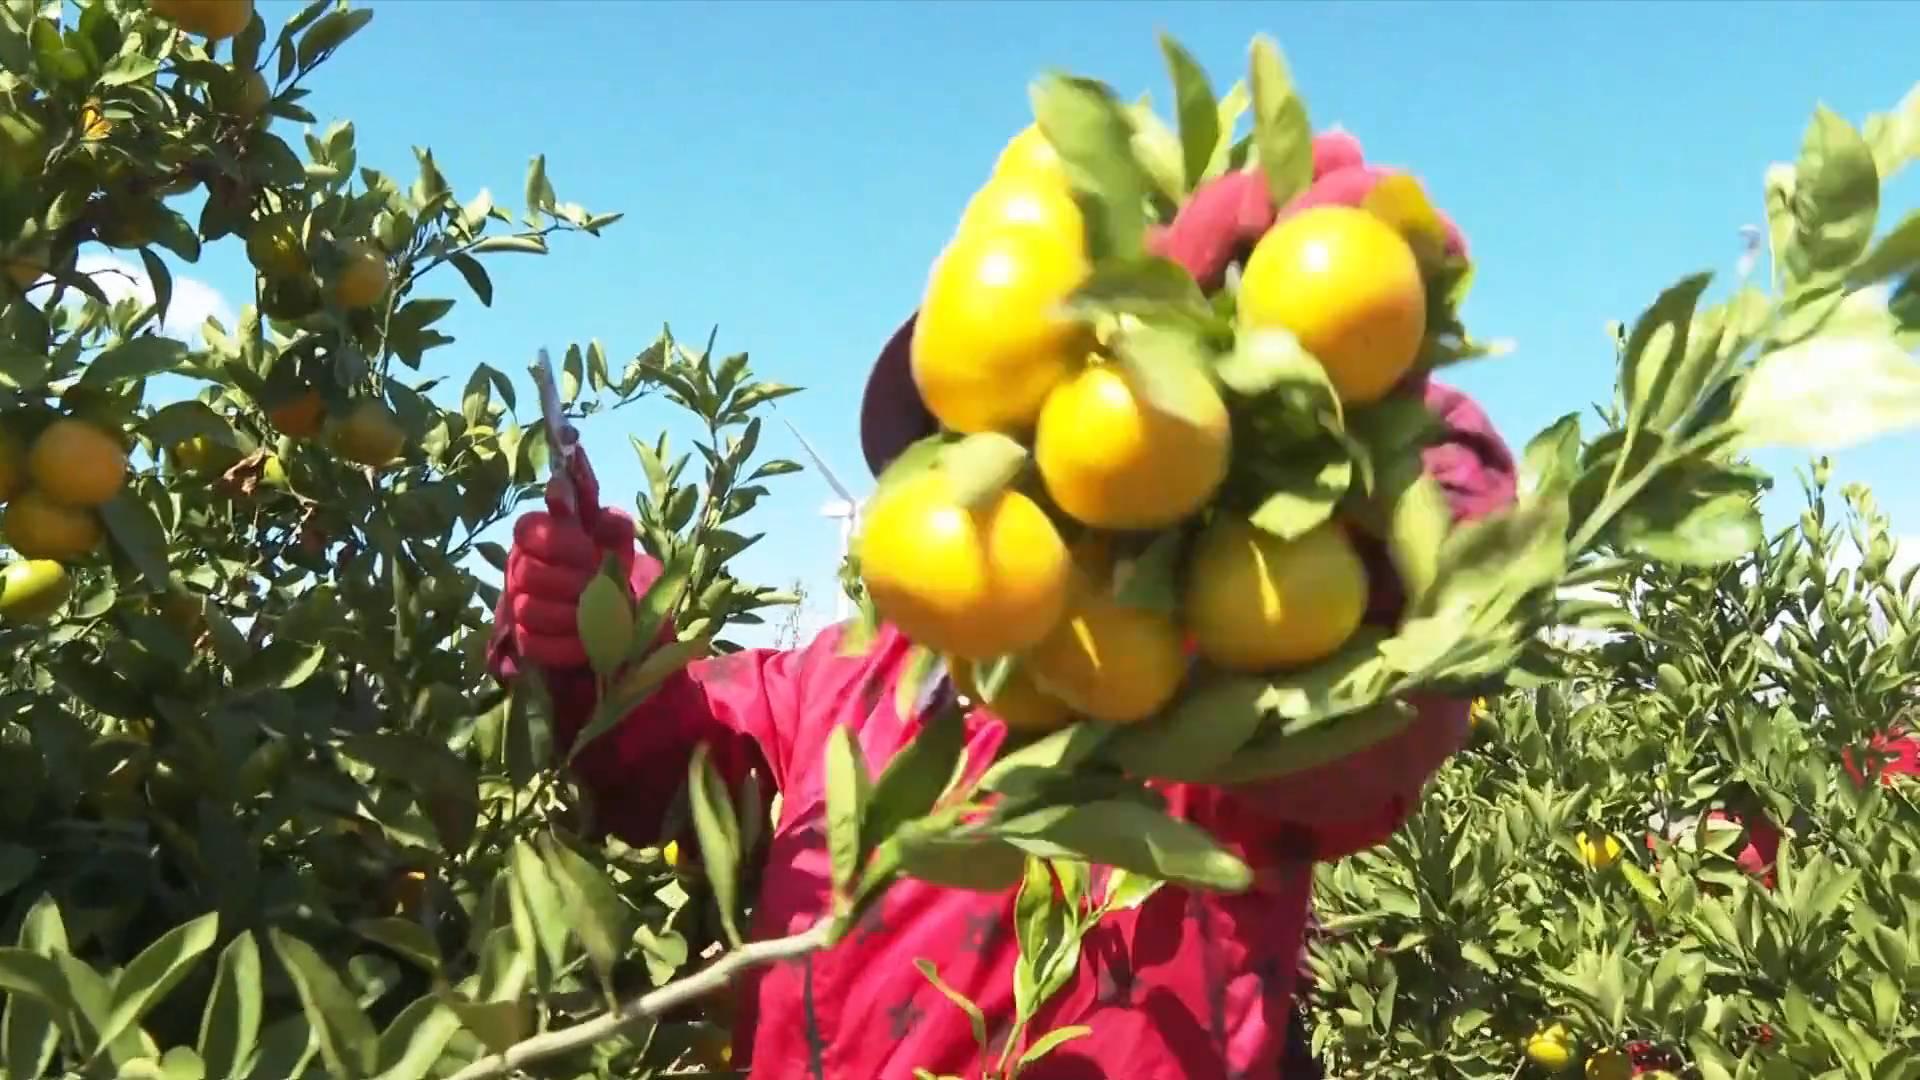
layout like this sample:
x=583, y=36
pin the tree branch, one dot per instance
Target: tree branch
x=653, y=1003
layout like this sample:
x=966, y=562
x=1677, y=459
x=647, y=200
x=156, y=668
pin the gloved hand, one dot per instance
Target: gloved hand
x=1226, y=216
x=556, y=552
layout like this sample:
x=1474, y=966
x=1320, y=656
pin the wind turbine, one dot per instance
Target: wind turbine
x=846, y=508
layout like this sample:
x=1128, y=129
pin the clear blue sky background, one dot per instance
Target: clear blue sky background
x=789, y=169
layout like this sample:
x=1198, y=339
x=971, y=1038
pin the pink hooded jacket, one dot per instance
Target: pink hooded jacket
x=1187, y=986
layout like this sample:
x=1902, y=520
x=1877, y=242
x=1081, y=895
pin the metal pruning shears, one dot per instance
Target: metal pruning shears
x=562, y=439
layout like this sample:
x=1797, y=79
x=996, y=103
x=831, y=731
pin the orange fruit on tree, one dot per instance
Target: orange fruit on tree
x=1609, y=1064
x=1255, y=602
x=1024, y=200
x=1114, y=460
x=368, y=434
x=1108, y=660
x=275, y=249
x=1598, y=853
x=1030, y=154
x=990, y=341
x=201, y=454
x=39, y=528
x=215, y=20
x=300, y=416
x=971, y=581
x=363, y=277
x=75, y=463
x=33, y=589
x=1347, y=285
x=1549, y=1049
x=1021, y=704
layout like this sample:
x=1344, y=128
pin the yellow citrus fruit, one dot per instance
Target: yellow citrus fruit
x=33, y=589
x=1030, y=154
x=215, y=20
x=203, y=455
x=39, y=528
x=1549, y=1050
x=1024, y=200
x=251, y=96
x=974, y=582
x=94, y=125
x=1021, y=704
x=1112, y=662
x=671, y=853
x=12, y=465
x=300, y=416
x=1598, y=854
x=363, y=278
x=1348, y=287
x=76, y=463
x=1609, y=1064
x=1114, y=460
x=1256, y=602
x=990, y=342
x=274, y=248
x=368, y=435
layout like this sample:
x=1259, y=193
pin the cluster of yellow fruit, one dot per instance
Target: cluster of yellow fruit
x=993, y=350
x=1598, y=852
x=52, y=490
x=214, y=20
x=1552, y=1049
x=289, y=290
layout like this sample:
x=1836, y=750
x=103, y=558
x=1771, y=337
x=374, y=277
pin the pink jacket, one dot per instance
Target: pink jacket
x=1186, y=987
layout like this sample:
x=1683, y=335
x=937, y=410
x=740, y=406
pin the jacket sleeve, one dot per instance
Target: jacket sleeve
x=740, y=705
x=1358, y=801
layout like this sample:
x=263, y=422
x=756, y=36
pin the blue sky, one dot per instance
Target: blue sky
x=789, y=169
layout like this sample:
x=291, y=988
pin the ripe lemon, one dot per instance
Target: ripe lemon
x=1549, y=1050
x=300, y=416
x=1113, y=460
x=12, y=465
x=363, y=277
x=33, y=589
x=990, y=342
x=368, y=435
x=1348, y=286
x=1256, y=602
x=39, y=528
x=1598, y=854
x=971, y=582
x=76, y=463
x=1021, y=704
x=215, y=20
x=1030, y=154
x=1609, y=1064
x=1112, y=662
x=274, y=248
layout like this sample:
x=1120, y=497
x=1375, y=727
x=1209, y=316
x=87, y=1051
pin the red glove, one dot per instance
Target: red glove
x=556, y=552
x=1227, y=216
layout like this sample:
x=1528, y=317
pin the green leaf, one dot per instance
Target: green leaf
x=1051, y=1041
x=594, y=909
x=1057, y=752
x=137, y=532
x=230, y=1023
x=539, y=892
x=157, y=970
x=1130, y=836
x=1089, y=129
x=1280, y=754
x=1282, y=134
x=1301, y=493
x=1660, y=382
x=1049, y=940
x=974, y=1015
x=497, y=1024
x=23, y=971
x=916, y=777
x=980, y=466
x=1152, y=578
x=1828, y=392
x=1166, y=368
x=849, y=786
x=140, y=358
x=1690, y=524
x=1193, y=737
x=347, y=1038
x=1836, y=197
x=605, y=619
x=283, y=664
x=661, y=603
x=1895, y=135
x=1272, y=362
x=404, y=937
x=975, y=863
x=413, y=1043
x=718, y=831
x=1196, y=108
x=1152, y=288
x=1895, y=255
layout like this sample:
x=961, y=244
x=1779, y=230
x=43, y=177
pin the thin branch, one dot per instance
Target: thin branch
x=651, y=1004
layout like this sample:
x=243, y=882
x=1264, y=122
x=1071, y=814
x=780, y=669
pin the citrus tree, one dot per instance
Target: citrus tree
x=1666, y=862
x=262, y=792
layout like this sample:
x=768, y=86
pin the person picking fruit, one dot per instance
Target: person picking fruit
x=1186, y=985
